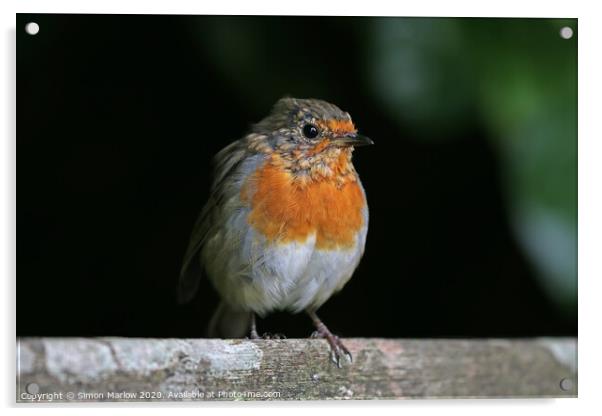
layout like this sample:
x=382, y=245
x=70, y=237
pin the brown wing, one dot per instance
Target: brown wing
x=225, y=164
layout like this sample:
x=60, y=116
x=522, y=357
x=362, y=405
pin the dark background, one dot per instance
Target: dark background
x=118, y=118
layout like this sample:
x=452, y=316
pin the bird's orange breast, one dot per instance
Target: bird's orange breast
x=285, y=210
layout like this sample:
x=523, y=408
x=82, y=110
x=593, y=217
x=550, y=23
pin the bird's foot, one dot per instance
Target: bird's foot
x=337, y=348
x=254, y=335
x=269, y=335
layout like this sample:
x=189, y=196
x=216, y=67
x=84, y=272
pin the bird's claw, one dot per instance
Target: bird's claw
x=337, y=352
x=337, y=348
x=265, y=335
x=268, y=335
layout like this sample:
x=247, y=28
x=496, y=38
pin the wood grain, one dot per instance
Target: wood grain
x=134, y=369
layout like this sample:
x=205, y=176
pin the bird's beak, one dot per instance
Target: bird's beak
x=353, y=140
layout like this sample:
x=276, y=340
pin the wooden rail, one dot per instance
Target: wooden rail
x=136, y=369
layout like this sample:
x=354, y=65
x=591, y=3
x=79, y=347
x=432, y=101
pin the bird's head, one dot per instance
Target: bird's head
x=311, y=136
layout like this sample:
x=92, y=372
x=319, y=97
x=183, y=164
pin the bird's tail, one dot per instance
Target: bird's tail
x=229, y=323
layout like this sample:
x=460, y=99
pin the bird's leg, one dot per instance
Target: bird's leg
x=253, y=333
x=336, y=346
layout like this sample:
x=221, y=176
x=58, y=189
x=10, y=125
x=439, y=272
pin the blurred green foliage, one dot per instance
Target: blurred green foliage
x=518, y=78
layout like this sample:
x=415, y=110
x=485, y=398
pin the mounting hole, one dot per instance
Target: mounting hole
x=566, y=32
x=566, y=384
x=32, y=388
x=32, y=28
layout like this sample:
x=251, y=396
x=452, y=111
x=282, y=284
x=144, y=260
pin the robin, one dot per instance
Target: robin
x=286, y=221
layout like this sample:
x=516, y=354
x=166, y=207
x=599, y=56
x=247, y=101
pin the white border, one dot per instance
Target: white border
x=508, y=8
x=590, y=183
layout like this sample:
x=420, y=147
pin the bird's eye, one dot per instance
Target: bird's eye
x=310, y=131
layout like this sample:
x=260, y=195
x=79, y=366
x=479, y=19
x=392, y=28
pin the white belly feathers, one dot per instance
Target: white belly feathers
x=253, y=274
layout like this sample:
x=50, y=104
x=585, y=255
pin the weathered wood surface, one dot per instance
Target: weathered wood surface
x=105, y=369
